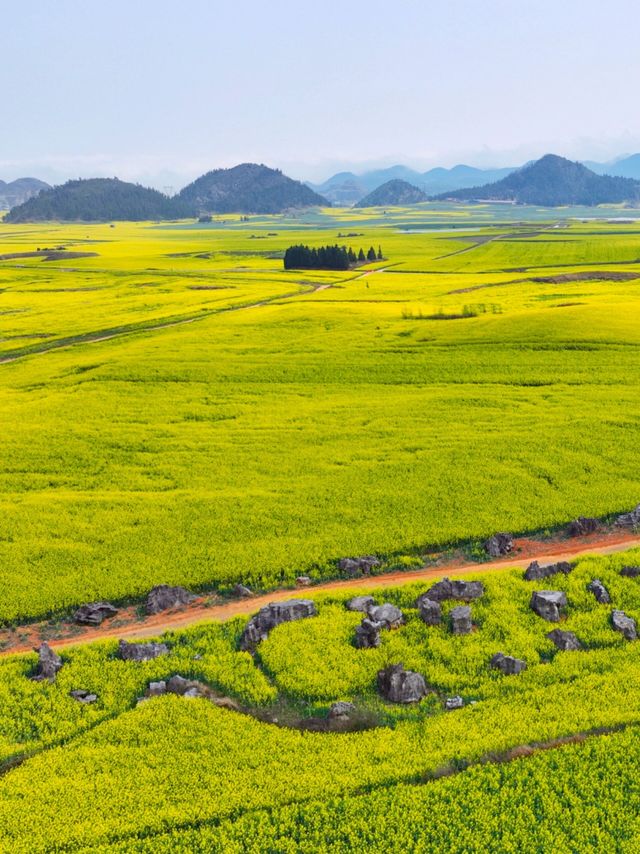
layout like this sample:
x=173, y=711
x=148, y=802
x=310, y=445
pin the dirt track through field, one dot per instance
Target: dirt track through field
x=130, y=626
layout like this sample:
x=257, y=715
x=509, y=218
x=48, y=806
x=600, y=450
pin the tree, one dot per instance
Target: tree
x=380, y=255
x=371, y=254
x=361, y=255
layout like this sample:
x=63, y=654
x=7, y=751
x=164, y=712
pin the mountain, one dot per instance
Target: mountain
x=551, y=181
x=18, y=191
x=248, y=188
x=626, y=167
x=96, y=200
x=395, y=192
x=441, y=180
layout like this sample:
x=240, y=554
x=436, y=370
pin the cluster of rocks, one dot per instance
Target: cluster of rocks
x=499, y=545
x=141, y=651
x=462, y=591
x=190, y=688
x=629, y=520
x=83, y=696
x=582, y=526
x=378, y=618
x=160, y=598
x=401, y=686
x=507, y=664
x=358, y=565
x=535, y=572
x=94, y=613
x=630, y=571
x=267, y=618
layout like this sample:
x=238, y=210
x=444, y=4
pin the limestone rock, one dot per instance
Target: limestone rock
x=499, y=545
x=388, y=614
x=461, y=620
x=564, y=640
x=629, y=520
x=368, y=634
x=624, y=624
x=582, y=526
x=243, y=592
x=341, y=709
x=630, y=571
x=599, y=591
x=548, y=603
x=273, y=615
x=452, y=703
x=303, y=581
x=163, y=597
x=157, y=689
x=401, y=686
x=507, y=664
x=358, y=565
x=463, y=591
x=535, y=572
x=49, y=663
x=430, y=611
x=360, y=603
x=141, y=651
x=83, y=696
x=94, y=613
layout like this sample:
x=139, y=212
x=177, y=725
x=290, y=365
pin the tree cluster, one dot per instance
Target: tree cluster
x=335, y=257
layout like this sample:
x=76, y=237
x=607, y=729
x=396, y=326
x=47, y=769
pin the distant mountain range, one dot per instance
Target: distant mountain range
x=394, y=192
x=18, y=191
x=553, y=181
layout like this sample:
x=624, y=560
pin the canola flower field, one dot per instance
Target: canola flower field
x=176, y=408
x=180, y=774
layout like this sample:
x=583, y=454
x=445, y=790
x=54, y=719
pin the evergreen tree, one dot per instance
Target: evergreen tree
x=361, y=255
x=380, y=255
x=371, y=254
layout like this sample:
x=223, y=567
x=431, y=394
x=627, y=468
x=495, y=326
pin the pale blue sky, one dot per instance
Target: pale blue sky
x=160, y=91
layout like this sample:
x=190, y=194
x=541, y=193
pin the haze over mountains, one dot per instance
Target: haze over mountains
x=18, y=191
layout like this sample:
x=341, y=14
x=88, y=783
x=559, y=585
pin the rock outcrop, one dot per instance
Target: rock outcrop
x=463, y=591
x=582, y=526
x=430, y=611
x=358, y=565
x=341, y=710
x=360, y=603
x=83, y=696
x=507, y=664
x=535, y=572
x=368, y=634
x=461, y=620
x=94, y=613
x=267, y=618
x=141, y=651
x=401, y=686
x=242, y=591
x=599, y=591
x=499, y=545
x=49, y=663
x=548, y=604
x=452, y=703
x=163, y=597
x=624, y=624
x=388, y=614
x=630, y=571
x=564, y=640
x=629, y=520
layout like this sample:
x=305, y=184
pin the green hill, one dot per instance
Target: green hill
x=248, y=188
x=553, y=181
x=395, y=192
x=97, y=200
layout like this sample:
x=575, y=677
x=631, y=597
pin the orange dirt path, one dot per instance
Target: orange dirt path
x=130, y=626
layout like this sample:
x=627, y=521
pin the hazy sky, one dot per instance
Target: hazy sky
x=160, y=91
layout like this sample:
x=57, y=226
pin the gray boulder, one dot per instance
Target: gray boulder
x=387, y=614
x=94, y=613
x=535, y=572
x=163, y=597
x=303, y=580
x=273, y=615
x=630, y=571
x=401, y=686
x=430, y=611
x=629, y=520
x=599, y=591
x=178, y=684
x=358, y=565
x=507, y=664
x=499, y=545
x=463, y=591
x=564, y=640
x=48, y=663
x=368, y=634
x=141, y=651
x=461, y=620
x=582, y=526
x=624, y=624
x=242, y=592
x=157, y=689
x=452, y=703
x=83, y=696
x=548, y=603
x=360, y=603
x=341, y=710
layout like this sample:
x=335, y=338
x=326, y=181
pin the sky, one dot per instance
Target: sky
x=158, y=91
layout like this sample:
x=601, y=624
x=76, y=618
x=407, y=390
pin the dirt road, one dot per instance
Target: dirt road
x=130, y=626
